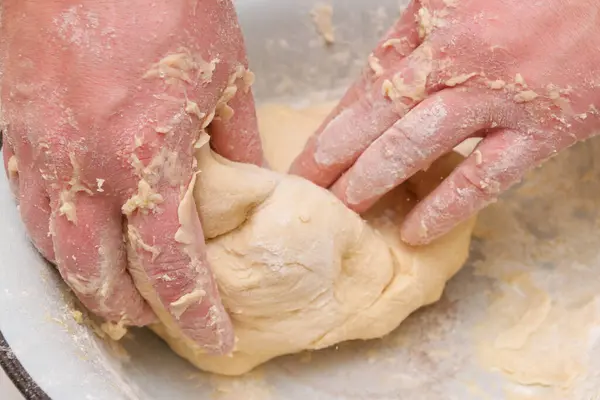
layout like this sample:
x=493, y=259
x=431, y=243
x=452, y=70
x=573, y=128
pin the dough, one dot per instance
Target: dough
x=297, y=269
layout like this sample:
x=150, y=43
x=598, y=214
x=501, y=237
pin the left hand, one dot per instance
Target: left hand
x=102, y=103
x=521, y=75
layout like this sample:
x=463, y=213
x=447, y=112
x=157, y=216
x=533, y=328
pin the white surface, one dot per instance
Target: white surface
x=7, y=389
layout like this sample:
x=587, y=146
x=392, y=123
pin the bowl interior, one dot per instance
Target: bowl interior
x=543, y=234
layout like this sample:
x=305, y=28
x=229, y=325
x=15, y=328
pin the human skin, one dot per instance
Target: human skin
x=523, y=76
x=99, y=141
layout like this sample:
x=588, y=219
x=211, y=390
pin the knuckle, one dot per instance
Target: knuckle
x=484, y=184
x=400, y=144
x=366, y=102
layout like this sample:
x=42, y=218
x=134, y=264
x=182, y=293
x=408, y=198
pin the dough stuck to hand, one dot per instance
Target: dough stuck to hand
x=297, y=269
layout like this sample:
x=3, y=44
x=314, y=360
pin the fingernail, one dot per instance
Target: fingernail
x=415, y=235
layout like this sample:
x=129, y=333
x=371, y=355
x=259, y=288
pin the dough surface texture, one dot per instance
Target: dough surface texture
x=297, y=269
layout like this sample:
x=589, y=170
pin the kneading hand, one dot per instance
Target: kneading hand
x=102, y=104
x=524, y=76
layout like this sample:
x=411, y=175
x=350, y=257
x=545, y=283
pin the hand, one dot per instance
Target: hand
x=524, y=76
x=102, y=103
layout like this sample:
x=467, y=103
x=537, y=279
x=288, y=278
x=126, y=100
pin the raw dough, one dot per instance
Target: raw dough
x=297, y=269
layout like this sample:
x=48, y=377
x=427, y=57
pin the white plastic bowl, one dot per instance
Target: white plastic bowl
x=432, y=356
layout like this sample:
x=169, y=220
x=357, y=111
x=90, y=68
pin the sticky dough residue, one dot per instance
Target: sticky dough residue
x=13, y=165
x=414, y=86
x=322, y=15
x=182, y=66
x=74, y=186
x=538, y=341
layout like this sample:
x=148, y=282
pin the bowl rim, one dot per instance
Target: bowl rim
x=17, y=373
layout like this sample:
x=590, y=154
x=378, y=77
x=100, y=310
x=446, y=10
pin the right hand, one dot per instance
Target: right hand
x=521, y=75
x=101, y=105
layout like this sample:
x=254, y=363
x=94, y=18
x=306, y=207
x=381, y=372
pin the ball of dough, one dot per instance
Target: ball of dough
x=298, y=270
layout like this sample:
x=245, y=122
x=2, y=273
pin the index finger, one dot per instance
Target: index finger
x=168, y=263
